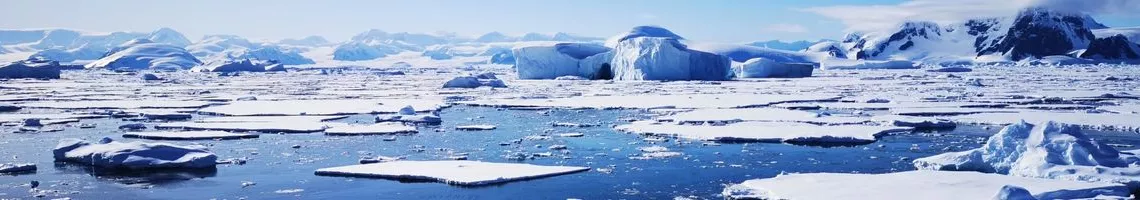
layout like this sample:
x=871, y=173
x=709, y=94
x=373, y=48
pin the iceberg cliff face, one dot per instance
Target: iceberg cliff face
x=662, y=58
x=552, y=61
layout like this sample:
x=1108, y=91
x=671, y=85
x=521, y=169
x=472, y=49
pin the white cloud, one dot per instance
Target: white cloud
x=878, y=17
x=785, y=28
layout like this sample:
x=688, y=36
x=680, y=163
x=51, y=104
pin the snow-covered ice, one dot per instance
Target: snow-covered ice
x=371, y=129
x=1100, y=121
x=798, y=133
x=320, y=107
x=118, y=104
x=913, y=121
x=760, y=115
x=462, y=172
x=16, y=168
x=1043, y=150
x=477, y=127
x=840, y=64
x=931, y=185
x=133, y=155
x=656, y=101
x=767, y=68
x=189, y=135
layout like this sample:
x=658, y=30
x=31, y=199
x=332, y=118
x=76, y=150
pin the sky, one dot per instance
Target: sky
x=338, y=20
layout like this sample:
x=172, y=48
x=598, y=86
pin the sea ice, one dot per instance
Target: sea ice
x=15, y=168
x=462, y=172
x=473, y=82
x=133, y=155
x=372, y=129
x=118, y=104
x=922, y=184
x=320, y=107
x=1101, y=121
x=916, y=122
x=759, y=114
x=189, y=135
x=656, y=101
x=796, y=133
x=1043, y=150
x=840, y=64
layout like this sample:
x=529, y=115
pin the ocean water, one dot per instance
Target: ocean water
x=282, y=172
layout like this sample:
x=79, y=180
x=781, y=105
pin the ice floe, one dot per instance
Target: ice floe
x=17, y=168
x=464, y=173
x=133, y=155
x=759, y=114
x=320, y=107
x=371, y=129
x=656, y=101
x=929, y=185
x=795, y=133
x=1099, y=121
x=917, y=122
x=1043, y=150
x=477, y=127
x=839, y=64
x=118, y=104
x=189, y=135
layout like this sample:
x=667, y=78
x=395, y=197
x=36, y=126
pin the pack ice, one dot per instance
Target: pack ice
x=458, y=172
x=133, y=155
x=928, y=185
x=1045, y=150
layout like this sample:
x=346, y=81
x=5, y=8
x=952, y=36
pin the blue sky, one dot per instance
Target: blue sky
x=716, y=20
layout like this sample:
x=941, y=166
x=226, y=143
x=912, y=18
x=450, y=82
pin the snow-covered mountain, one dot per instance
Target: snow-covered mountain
x=1032, y=33
x=375, y=44
x=70, y=45
x=230, y=47
x=310, y=41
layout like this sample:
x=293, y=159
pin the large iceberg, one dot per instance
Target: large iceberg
x=661, y=58
x=30, y=69
x=1050, y=150
x=243, y=65
x=552, y=61
x=642, y=31
x=767, y=68
x=146, y=55
x=133, y=155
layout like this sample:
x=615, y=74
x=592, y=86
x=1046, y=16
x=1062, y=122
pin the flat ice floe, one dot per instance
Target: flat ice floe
x=912, y=121
x=656, y=101
x=1045, y=150
x=477, y=127
x=189, y=135
x=788, y=132
x=1100, y=121
x=457, y=172
x=927, y=185
x=21, y=117
x=118, y=104
x=371, y=129
x=320, y=107
x=133, y=155
x=949, y=111
x=889, y=106
x=264, y=124
x=1123, y=109
x=759, y=114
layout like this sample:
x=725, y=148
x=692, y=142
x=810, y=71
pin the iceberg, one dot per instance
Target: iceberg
x=552, y=61
x=459, y=172
x=30, y=69
x=767, y=68
x=928, y=185
x=642, y=31
x=242, y=65
x=1047, y=150
x=16, y=168
x=473, y=82
x=660, y=58
x=133, y=155
x=841, y=64
x=146, y=55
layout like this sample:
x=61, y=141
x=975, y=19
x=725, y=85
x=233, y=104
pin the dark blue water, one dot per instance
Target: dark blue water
x=277, y=169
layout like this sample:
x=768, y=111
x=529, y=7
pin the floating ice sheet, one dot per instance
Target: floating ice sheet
x=1105, y=121
x=760, y=114
x=119, y=104
x=458, y=172
x=656, y=101
x=767, y=132
x=189, y=135
x=929, y=185
x=320, y=107
x=371, y=129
